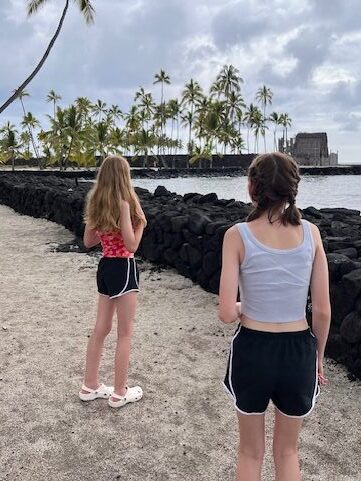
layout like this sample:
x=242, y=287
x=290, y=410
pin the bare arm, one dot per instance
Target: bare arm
x=320, y=297
x=232, y=255
x=90, y=237
x=131, y=236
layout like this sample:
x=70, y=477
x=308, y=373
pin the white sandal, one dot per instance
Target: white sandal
x=103, y=392
x=132, y=395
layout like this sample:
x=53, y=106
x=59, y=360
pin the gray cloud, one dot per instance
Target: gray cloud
x=294, y=46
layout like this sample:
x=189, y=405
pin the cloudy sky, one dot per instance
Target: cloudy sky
x=306, y=51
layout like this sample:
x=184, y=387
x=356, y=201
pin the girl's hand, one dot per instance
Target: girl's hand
x=239, y=309
x=322, y=380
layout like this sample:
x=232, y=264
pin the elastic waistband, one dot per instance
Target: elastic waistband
x=105, y=258
x=273, y=335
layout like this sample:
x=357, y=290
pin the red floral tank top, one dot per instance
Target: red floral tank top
x=113, y=245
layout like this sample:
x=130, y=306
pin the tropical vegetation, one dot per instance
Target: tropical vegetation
x=200, y=123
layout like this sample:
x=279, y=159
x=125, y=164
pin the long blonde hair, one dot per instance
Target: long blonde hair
x=113, y=185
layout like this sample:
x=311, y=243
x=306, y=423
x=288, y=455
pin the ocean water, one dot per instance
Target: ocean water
x=318, y=191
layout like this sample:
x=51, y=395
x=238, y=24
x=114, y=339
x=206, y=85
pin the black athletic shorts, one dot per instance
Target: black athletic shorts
x=117, y=275
x=281, y=367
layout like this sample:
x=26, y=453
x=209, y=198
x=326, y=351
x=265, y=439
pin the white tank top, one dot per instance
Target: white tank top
x=274, y=283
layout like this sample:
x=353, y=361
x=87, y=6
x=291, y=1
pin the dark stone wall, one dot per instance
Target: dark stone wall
x=186, y=232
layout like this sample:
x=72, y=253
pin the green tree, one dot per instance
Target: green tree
x=29, y=126
x=87, y=11
x=285, y=121
x=53, y=97
x=275, y=119
x=264, y=96
x=30, y=123
x=9, y=144
x=229, y=80
x=99, y=109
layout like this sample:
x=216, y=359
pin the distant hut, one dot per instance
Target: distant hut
x=311, y=149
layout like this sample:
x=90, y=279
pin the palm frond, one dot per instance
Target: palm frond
x=34, y=5
x=87, y=10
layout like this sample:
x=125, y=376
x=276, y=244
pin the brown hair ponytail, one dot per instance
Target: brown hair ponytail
x=274, y=182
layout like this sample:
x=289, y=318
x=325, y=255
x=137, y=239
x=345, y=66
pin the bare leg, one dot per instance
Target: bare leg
x=251, y=447
x=285, y=447
x=125, y=306
x=103, y=326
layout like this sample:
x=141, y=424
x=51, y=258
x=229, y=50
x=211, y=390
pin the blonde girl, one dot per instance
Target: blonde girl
x=274, y=258
x=114, y=218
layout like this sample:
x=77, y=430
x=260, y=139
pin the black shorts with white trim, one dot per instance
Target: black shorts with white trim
x=281, y=367
x=117, y=276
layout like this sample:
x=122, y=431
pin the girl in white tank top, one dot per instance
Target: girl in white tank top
x=272, y=261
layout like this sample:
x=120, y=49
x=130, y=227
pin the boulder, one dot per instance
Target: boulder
x=352, y=283
x=350, y=328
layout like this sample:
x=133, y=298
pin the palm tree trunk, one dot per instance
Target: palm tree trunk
x=36, y=153
x=13, y=162
x=40, y=64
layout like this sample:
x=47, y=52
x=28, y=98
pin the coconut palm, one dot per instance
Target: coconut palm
x=53, y=97
x=192, y=93
x=113, y=114
x=9, y=144
x=99, y=109
x=148, y=106
x=234, y=104
x=21, y=97
x=229, y=80
x=25, y=139
x=87, y=11
x=264, y=96
x=29, y=122
x=188, y=120
x=144, y=142
x=275, y=119
x=84, y=106
x=161, y=78
x=285, y=121
x=251, y=114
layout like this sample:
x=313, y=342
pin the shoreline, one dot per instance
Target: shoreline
x=184, y=428
x=169, y=173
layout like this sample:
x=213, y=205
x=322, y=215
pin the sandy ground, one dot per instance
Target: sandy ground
x=183, y=429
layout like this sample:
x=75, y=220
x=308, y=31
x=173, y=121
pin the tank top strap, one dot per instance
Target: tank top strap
x=307, y=232
x=249, y=246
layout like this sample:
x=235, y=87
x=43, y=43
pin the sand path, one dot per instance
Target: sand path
x=184, y=429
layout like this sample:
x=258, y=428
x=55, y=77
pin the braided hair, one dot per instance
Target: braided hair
x=274, y=180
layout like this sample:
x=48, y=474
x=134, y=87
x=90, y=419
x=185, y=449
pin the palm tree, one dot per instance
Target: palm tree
x=86, y=9
x=285, y=121
x=234, y=104
x=229, y=80
x=72, y=130
x=114, y=113
x=8, y=144
x=84, y=106
x=250, y=115
x=275, y=119
x=148, y=106
x=99, y=108
x=144, y=142
x=161, y=78
x=25, y=140
x=264, y=96
x=188, y=120
x=29, y=122
x=21, y=97
x=53, y=97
